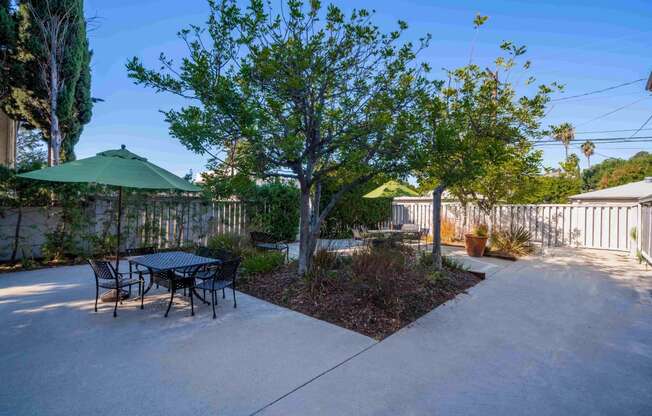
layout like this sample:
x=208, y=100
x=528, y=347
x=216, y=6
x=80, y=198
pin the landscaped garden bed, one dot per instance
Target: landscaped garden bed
x=375, y=291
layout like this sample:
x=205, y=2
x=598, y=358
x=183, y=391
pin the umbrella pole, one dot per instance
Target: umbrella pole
x=117, y=248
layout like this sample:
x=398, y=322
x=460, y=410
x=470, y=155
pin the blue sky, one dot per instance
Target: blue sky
x=586, y=45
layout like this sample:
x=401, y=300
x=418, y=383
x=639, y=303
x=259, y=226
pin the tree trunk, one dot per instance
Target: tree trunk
x=55, y=131
x=17, y=233
x=436, y=226
x=305, y=255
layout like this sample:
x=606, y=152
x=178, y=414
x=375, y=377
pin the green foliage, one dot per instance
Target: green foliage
x=237, y=244
x=614, y=172
x=274, y=209
x=262, y=262
x=69, y=238
x=515, y=241
x=553, y=187
x=375, y=270
x=29, y=64
x=353, y=211
x=480, y=230
x=588, y=148
x=426, y=262
x=477, y=131
x=564, y=133
x=303, y=95
x=19, y=193
x=8, y=39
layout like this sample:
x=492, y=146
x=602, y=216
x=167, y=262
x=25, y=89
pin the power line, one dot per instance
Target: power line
x=640, y=128
x=599, y=91
x=608, y=131
x=613, y=111
x=640, y=139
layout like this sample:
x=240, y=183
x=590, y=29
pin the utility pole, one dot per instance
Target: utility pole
x=648, y=86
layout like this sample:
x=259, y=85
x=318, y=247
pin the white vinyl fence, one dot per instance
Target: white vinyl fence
x=591, y=226
x=645, y=230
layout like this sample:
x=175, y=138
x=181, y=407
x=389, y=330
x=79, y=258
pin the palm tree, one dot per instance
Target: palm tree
x=564, y=133
x=588, y=147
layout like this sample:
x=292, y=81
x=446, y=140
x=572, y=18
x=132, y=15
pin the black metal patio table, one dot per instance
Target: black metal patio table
x=165, y=264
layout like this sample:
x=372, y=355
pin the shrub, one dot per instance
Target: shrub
x=480, y=230
x=323, y=260
x=447, y=230
x=375, y=271
x=352, y=211
x=234, y=243
x=515, y=241
x=275, y=210
x=262, y=262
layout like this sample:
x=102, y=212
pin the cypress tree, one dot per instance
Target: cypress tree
x=8, y=37
x=52, y=88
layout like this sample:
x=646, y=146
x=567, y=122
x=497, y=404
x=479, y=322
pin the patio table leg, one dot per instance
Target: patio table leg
x=170, y=304
x=203, y=299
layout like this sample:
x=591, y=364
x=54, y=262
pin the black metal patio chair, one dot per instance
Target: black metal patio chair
x=175, y=281
x=132, y=252
x=266, y=241
x=107, y=277
x=206, y=273
x=220, y=277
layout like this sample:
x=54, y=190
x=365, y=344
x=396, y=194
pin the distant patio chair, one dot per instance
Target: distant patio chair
x=267, y=241
x=220, y=277
x=413, y=234
x=107, y=277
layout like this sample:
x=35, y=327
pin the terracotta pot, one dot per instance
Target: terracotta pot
x=475, y=245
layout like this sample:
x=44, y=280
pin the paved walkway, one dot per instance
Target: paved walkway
x=566, y=334
x=569, y=333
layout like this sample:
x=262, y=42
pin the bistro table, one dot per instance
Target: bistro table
x=162, y=268
x=391, y=235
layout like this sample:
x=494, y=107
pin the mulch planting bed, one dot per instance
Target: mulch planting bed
x=376, y=305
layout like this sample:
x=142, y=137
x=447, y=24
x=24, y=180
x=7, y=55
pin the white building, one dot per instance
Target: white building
x=629, y=193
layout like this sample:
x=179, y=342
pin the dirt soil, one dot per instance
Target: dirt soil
x=340, y=299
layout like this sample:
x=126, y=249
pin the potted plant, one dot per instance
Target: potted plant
x=476, y=240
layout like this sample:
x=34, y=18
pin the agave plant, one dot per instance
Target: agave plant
x=515, y=241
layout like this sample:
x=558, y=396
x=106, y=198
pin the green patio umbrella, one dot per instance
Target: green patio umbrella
x=119, y=168
x=391, y=189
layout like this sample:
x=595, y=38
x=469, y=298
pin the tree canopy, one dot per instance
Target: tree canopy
x=477, y=133
x=614, y=172
x=47, y=71
x=302, y=94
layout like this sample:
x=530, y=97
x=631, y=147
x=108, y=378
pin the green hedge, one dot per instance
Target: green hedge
x=274, y=209
x=353, y=210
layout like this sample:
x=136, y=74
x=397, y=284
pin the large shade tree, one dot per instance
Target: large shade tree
x=477, y=132
x=307, y=94
x=49, y=73
x=8, y=38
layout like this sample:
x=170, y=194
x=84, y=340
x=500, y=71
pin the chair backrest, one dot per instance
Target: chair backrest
x=131, y=252
x=261, y=237
x=204, y=251
x=229, y=269
x=102, y=269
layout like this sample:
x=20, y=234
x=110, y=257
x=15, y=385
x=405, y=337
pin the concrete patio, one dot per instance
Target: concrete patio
x=567, y=333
